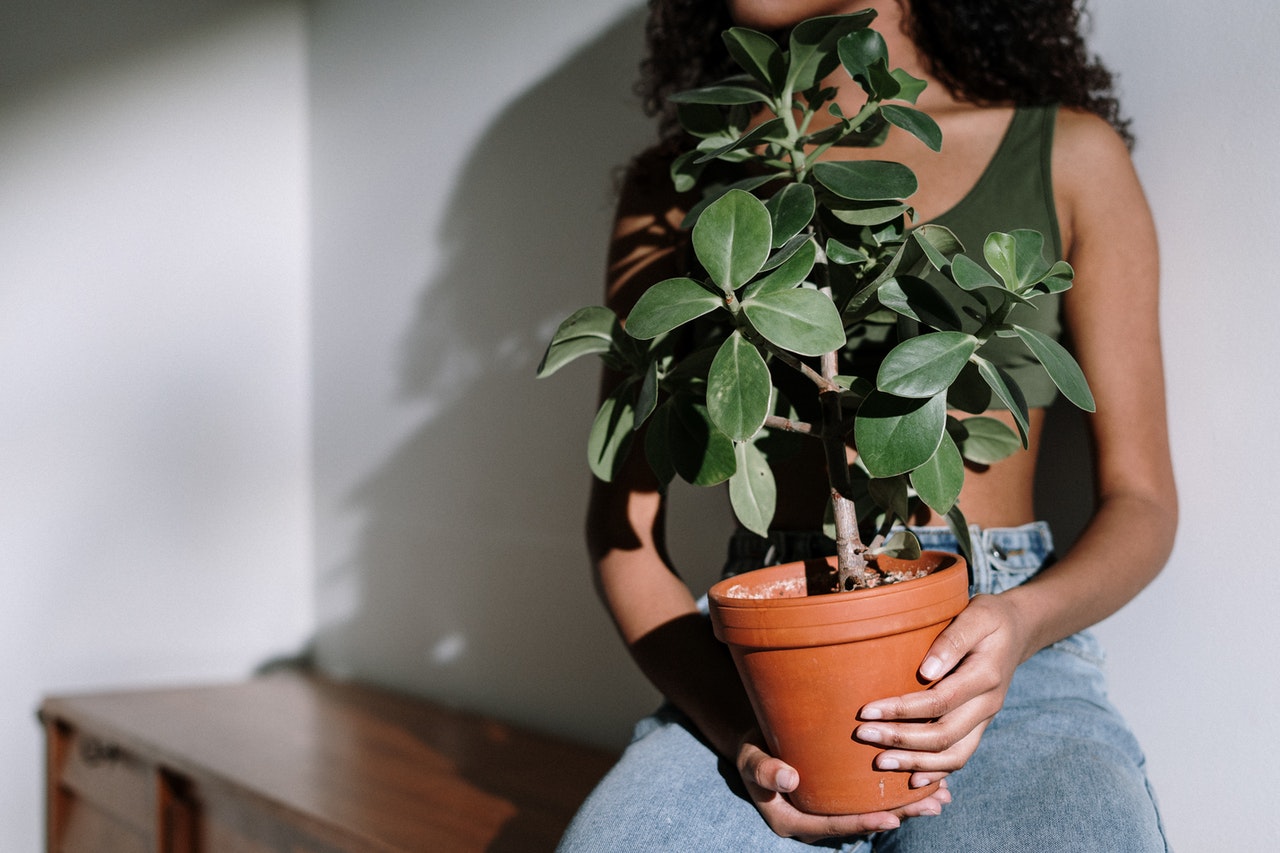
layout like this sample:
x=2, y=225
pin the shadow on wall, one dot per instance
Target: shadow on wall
x=42, y=42
x=1064, y=485
x=469, y=581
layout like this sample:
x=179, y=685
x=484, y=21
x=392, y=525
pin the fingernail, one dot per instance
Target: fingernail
x=931, y=668
x=788, y=779
x=870, y=733
x=885, y=762
x=889, y=823
x=871, y=713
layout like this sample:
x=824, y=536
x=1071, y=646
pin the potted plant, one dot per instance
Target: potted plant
x=797, y=255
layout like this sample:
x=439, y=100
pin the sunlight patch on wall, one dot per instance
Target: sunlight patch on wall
x=449, y=649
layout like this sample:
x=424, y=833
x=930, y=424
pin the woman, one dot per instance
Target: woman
x=1032, y=755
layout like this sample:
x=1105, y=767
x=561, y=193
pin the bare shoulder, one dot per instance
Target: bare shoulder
x=1094, y=181
x=647, y=241
x=1088, y=152
x=646, y=184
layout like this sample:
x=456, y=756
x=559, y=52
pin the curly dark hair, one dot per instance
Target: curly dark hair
x=1027, y=52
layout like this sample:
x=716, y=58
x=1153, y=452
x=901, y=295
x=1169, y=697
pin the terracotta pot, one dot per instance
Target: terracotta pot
x=809, y=664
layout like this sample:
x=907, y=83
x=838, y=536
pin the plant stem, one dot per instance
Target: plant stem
x=788, y=425
x=824, y=383
x=852, y=572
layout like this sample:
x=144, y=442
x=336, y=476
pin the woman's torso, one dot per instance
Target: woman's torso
x=960, y=187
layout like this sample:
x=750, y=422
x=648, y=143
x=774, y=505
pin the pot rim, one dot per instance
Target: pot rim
x=769, y=622
x=719, y=592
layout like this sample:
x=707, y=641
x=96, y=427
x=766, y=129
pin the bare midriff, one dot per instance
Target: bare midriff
x=999, y=495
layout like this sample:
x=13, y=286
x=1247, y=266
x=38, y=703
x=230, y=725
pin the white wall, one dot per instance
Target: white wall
x=462, y=197
x=154, y=513
x=1192, y=659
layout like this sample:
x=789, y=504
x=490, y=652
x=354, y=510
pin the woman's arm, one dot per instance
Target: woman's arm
x=1112, y=315
x=651, y=606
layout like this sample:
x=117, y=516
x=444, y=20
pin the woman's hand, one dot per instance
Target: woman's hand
x=767, y=779
x=977, y=653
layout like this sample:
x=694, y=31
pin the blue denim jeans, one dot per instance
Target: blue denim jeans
x=1057, y=769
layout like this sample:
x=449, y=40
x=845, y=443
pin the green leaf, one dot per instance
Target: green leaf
x=919, y=300
x=971, y=275
x=752, y=491
x=647, y=397
x=587, y=331
x=1017, y=257
x=879, y=83
x=790, y=209
x=802, y=320
x=720, y=95
x=860, y=50
x=939, y=243
x=700, y=453
x=938, y=481
x=813, y=47
x=732, y=238
x=611, y=433
x=709, y=120
x=869, y=212
x=1008, y=391
x=909, y=88
x=960, y=529
x=789, y=274
x=839, y=253
x=1058, y=278
x=969, y=393
x=859, y=386
x=669, y=304
x=1062, y=368
x=986, y=441
x=721, y=145
x=918, y=124
x=830, y=135
x=785, y=253
x=685, y=171
x=895, y=435
x=870, y=243
x=689, y=372
x=657, y=444
x=892, y=495
x=773, y=130
x=925, y=365
x=717, y=192
x=903, y=545
x=866, y=180
x=757, y=54
x=738, y=389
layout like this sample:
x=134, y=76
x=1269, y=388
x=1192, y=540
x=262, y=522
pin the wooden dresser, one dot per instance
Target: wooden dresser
x=290, y=763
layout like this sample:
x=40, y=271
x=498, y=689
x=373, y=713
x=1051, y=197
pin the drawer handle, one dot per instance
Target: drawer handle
x=95, y=752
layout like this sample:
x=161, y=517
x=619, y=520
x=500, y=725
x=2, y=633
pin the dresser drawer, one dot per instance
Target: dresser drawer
x=86, y=828
x=98, y=771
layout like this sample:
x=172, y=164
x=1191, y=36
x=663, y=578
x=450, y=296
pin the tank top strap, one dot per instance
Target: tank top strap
x=1016, y=191
x=1022, y=161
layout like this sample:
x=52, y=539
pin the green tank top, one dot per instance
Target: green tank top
x=1016, y=191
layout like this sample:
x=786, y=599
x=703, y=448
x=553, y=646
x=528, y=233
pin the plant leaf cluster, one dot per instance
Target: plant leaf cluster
x=798, y=255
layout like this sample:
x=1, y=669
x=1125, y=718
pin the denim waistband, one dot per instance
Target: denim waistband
x=1003, y=557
